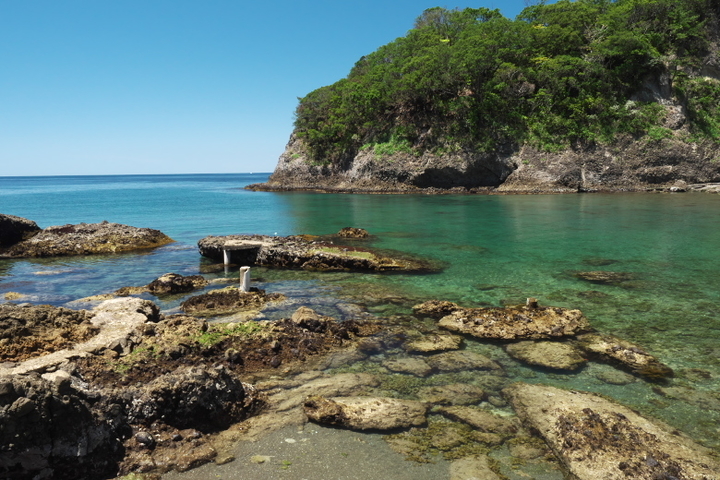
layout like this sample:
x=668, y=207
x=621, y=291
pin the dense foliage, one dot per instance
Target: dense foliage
x=562, y=74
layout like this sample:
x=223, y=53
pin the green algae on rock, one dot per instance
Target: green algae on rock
x=228, y=300
x=625, y=354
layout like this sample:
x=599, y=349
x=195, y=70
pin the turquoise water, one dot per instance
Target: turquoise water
x=495, y=250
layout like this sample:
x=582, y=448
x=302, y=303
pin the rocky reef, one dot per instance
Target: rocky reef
x=307, y=253
x=80, y=239
x=15, y=229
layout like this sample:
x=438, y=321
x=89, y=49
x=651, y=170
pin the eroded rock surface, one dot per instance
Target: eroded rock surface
x=87, y=239
x=173, y=283
x=433, y=343
x=366, y=413
x=596, y=438
x=553, y=355
x=625, y=354
x=516, y=323
x=227, y=301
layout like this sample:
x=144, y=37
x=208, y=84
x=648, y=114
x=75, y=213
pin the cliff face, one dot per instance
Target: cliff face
x=627, y=165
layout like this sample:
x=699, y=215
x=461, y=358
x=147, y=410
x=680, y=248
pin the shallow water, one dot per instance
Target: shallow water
x=495, y=250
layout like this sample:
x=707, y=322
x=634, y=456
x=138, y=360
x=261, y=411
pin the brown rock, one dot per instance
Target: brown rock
x=454, y=394
x=15, y=229
x=352, y=232
x=173, y=283
x=481, y=419
x=413, y=366
x=553, y=355
x=433, y=343
x=366, y=413
x=625, y=354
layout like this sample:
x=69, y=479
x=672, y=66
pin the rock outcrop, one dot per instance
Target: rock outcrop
x=596, y=438
x=86, y=239
x=307, y=253
x=366, y=413
x=516, y=323
x=624, y=354
x=15, y=229
x=227, y=301
x=552, y=355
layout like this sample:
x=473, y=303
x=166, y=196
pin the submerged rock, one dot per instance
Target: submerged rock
x=412, y=366
x=553, y=355
x=435, y=308
x=453, y=394
x=606, y=278
x=87, y=239
x=476, y=467
x=596, y=438
x=482, y=419
x=229, y=300
x=352, y=232
x=516, y=323
x=462, y=360
x=366, y=413
x=15, y=229
x=433, y=343
x=625, y=354
x=305, y=253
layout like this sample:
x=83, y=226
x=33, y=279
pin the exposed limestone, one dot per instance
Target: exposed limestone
x=516, y=323
x=15, y=229
x=553, y=355
x=87, y=239
x=305, y=253
x=433, y=343
x=366, y=413
x=435, y=308
x=625, y=354
x=228, y=300
x=596, y=438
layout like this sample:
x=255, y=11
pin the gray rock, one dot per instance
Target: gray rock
x=366, y=413
x=595, y=438
x=553, y=355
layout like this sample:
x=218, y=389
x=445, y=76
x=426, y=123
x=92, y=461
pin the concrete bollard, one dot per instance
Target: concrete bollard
x=532, y=303
x=245, y=279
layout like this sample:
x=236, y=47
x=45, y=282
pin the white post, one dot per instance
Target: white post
x=245, y=279
x=226, y=256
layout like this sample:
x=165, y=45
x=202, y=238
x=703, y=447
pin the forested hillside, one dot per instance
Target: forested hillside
x=571, y=74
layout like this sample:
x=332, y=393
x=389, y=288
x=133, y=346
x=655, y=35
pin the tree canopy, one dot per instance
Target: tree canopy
x=560, y=75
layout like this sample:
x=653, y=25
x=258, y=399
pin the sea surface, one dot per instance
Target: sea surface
x=494, y=250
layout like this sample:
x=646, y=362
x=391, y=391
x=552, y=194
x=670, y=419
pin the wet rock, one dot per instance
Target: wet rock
x=433, y=343
x=227, y=301
x=553, y=355
x=435, y=308
x=461, y=361
x=625, y=354
x=352, y=232
x=476, y=467
x=15, y=229
x=516, y=323
x=87, y=239
x=482, y=419
x=173, y=283
x=301, y=252
x=412, y=366
x=615, y=377
x=606, y=278
x=596, y=438
x=453, y=394
x=366, y=413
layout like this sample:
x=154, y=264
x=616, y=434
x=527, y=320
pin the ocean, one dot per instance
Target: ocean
x=494, y=249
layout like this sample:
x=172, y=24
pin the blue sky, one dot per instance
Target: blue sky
x=175, y=86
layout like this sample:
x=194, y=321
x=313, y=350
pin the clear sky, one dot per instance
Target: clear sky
x=175, y=86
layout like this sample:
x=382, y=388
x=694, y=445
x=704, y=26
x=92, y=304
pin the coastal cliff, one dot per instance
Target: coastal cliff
x=568, y=97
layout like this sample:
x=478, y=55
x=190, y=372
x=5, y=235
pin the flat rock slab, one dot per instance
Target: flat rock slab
x=516, y=323
x=553, y=355
x=228, y=300
x=595, y=438
x=366, y=413
x=626, y=354
x=433, y=343
x=87, y=239
x=412, y=366
x=307, y=253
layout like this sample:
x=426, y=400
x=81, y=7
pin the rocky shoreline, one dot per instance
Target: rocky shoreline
x=628, y=165
x=123, y=389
